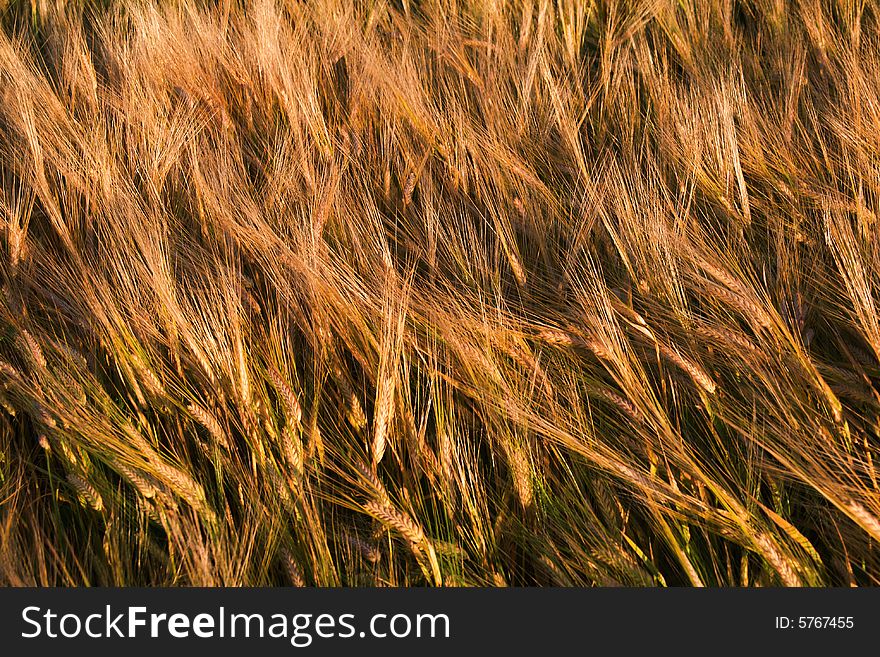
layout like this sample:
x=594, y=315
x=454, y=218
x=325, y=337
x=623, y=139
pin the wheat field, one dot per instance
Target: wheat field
x=441, y=292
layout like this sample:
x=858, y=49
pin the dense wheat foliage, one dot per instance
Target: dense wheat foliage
x=440, y=292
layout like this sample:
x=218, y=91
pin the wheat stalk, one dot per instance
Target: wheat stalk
x=698, y=375
x=398, y=521
x=292, y=408
x=31, y=350
x=86, y=492
x=207, y=420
